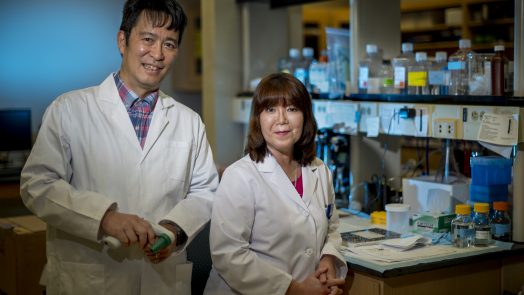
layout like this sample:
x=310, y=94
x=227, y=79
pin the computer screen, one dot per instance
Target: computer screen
x=15, y=129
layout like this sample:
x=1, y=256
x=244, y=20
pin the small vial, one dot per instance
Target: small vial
x=462, y=228
x=482, y=224
x=501, y=222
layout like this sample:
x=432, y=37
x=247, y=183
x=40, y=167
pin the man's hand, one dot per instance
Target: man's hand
x=127, y=228
x=165, y=252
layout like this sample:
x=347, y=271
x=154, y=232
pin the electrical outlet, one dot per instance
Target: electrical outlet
x=445, y=128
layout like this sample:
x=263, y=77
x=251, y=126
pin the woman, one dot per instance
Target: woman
x=272, y=227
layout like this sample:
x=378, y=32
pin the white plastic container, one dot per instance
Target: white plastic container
x=397, y=218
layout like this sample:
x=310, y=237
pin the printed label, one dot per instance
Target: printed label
x=456, y=65
x=501, y=230
x=363, y=76
x=437, y=78
x=400, y=77
x=418, y=79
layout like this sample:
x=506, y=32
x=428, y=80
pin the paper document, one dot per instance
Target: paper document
x=500, y=129
x=407, y=243
x=380, y=253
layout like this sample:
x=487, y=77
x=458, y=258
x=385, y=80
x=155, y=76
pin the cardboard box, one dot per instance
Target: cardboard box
x=22, y=255
x=437, y=223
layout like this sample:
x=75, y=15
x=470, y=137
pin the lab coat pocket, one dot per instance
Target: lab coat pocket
x=81, y=278
x=177, y=161
x=177, y=166
x=183, y=278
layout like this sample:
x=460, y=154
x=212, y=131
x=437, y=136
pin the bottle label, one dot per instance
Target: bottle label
x=400, y=77
x=507, y=83
x=456, y=65
x=437, y=78
x=418, y=79
x=482, y=234
x=501, y=230
x=387, y=82
x=363, y=76
x=318, y=78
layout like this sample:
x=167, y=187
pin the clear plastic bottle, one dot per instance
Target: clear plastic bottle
x=501, y=222
x=400, y=67
x=458, y=66
x=307, y=60
x=319, y=77
x=462, y=227
x=386, y=76
x=418, y=75
x=482, y=224
x=297, y=66
x=438, y=75
x=368, y=67
x=499, y=72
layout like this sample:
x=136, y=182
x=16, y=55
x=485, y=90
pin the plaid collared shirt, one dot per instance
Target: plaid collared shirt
x=140, y=110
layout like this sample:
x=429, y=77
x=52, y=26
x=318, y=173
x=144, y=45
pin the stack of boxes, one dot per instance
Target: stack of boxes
x=490, y=177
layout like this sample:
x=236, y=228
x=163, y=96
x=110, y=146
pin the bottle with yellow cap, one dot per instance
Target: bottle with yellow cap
x=462, y=228
x=501, y=222
x=482, y=224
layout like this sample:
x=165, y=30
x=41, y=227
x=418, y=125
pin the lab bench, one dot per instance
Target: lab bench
x=492, y=270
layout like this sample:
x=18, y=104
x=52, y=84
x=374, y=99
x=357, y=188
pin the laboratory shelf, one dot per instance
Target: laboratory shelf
x=441, y=99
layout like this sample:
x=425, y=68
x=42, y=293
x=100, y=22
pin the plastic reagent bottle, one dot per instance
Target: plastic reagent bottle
x=462, y=227
x=307, y=60
x=400, y=67
x=438, y=75
x=482, y=224
x=501, y=222
x=368, y=67
x=458, y=65
x=386, y=76
x=418, y=75
x=318, y=76
x=499, y=72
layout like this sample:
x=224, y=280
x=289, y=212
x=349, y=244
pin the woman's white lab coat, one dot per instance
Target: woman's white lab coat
x=263, y=234
x=86, y=159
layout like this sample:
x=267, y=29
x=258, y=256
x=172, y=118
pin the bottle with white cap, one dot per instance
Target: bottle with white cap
x=458, y=66
x=369, y=68
x=418, y=75
x=400, y=67
x=307, y=60
x=438, y=75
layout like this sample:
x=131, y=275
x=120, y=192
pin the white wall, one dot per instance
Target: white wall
x=53, y=46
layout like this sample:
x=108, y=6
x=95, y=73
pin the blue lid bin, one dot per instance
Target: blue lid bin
x=490, y=170
x=488, y=193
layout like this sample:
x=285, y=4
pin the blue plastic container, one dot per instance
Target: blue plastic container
x=488, y=193
x=490, y=170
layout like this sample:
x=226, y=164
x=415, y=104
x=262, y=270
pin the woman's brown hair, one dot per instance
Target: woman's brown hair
x=282, y=89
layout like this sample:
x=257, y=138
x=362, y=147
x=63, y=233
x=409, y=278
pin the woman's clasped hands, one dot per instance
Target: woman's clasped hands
x=322, y=281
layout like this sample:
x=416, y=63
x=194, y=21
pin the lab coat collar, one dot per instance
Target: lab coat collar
x=115, y=109
x=276, y=175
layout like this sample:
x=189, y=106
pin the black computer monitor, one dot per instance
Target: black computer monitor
x=15, y=130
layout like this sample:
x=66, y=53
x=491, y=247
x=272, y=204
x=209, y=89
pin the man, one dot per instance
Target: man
x=112, y=159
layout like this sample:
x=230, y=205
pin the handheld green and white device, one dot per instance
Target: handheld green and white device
x=164, y=238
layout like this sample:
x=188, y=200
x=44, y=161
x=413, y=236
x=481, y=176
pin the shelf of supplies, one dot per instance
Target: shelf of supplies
x=441, y=99
x=495, y=22
x=436, y=45
x=432, y=28
x=414, y=5
x=417, y=5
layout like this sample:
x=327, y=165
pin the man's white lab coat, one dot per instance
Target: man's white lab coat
x=263, y=234
x=86, y=159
